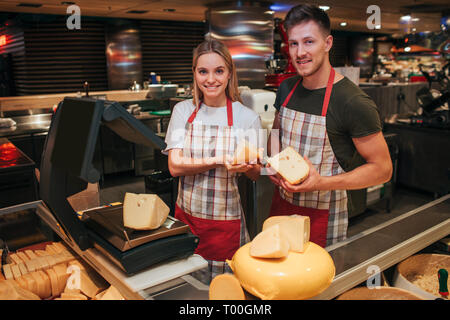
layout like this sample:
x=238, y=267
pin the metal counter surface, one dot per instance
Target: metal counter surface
x=387, y=244
x=382, y=246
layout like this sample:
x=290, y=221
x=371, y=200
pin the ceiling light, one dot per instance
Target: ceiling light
x=405, y=18
x=343, y=24
x=324, y=8
x=407, y=49
x=415, y=19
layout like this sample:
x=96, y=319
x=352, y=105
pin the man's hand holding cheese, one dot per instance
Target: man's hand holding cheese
x=332, y=124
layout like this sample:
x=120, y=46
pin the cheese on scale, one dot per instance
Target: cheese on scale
x=269, y=244
x=144, y=211
x=290, y=165
x=295, y=229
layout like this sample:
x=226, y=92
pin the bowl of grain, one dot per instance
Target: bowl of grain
x=419, y=274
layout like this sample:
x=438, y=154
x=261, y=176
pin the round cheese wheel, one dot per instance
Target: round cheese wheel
x=296, y=277
x=226, y=287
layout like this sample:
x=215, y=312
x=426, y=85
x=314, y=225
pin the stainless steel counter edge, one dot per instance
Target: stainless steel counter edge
x=358, y=274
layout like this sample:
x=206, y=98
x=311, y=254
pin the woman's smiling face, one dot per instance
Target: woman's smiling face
x=212, y=75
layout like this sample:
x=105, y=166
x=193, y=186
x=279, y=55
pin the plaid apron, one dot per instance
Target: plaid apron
x=307, y=134
x=209, y=202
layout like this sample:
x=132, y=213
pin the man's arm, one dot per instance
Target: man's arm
x=376, y=170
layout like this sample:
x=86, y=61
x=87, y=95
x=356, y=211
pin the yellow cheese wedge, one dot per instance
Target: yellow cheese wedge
x=294, y=228
x=47, y=284
x=8, y=272
x=30, y=254
x=49, y=248
x=290, y=165
x=15, y=258
x=100, y=295
x=59, y=247
x=246, y=153
x=23, y=256
x=16, y=271
x=144, y=211
x=297, y=276
x=112, y=294
x=10, y=290
x=31, y=283
x=23, y=269
x=41, y=253
x=40, y=284
x=269, y=244
x=22, y=282
x=87, y=286
x=61, y=272
x=226, y=287
x=73, y=296
x=31, y=266
x=53, y=282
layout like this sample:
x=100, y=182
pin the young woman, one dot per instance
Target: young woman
x=201, y=137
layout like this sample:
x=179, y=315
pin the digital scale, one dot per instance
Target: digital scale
x=67, y=167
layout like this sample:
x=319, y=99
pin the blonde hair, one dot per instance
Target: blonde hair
x=215, y=46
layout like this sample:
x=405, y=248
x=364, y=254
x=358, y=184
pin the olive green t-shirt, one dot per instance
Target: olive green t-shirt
x=351, y=114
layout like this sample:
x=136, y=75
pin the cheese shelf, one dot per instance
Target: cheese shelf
x=382, y=247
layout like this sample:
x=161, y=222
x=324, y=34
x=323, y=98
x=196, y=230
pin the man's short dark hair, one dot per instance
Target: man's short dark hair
x=305, y=13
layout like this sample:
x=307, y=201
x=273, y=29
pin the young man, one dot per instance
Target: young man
x=332, y=123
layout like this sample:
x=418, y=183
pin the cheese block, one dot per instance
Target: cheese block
x=31, y=266
x=49, y=248
x=47, y=284
x=246, y=153
x=16, y=271
x=61, y=272
x=59, y=247
x=23, y=269
x=8, y=272
x=100, y=295
x=269, y=244
x=15, y=258
x=41, y=253
x=10, y=290
x=87, y=286
x=53, y=281
x=290, y=165
x=31, y=283
x=294, y=228
x=226, y=287
x=112, y=294
x=23, y=256
x=296, y=277
x=30, y=254
x=144, y=211
x=73, y=296
x=22, y=282
x=40, y=284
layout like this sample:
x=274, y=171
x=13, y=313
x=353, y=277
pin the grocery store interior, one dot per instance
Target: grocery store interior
x=131, y=62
